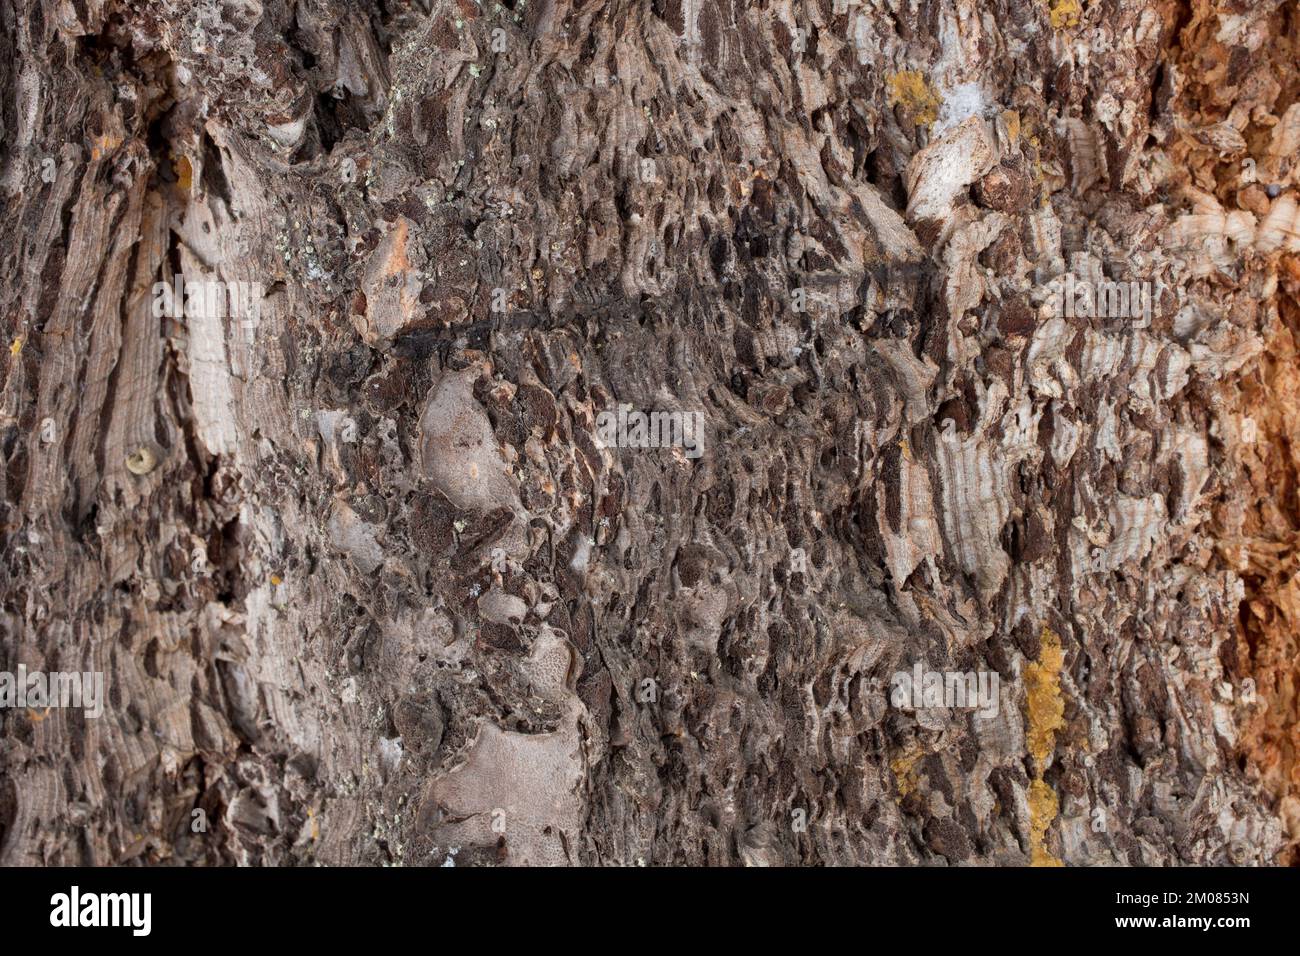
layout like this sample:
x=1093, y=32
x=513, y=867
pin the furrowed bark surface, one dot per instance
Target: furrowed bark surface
x=366, y=588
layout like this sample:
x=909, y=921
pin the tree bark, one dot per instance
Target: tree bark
x=368, y=583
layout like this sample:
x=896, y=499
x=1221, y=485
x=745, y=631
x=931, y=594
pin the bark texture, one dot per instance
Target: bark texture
x=365, y=587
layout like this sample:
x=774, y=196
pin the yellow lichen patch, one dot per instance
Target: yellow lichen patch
x=1012, y=119
x=1044, y=705
x=1064, y=13
x=101, y=146
x=910, y=90
x=1045, y=715
x=16, y=346
x=1043, y=808
x=904, y=767
x=184, y=173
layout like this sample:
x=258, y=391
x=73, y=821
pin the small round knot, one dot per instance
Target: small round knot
x=141, y=461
